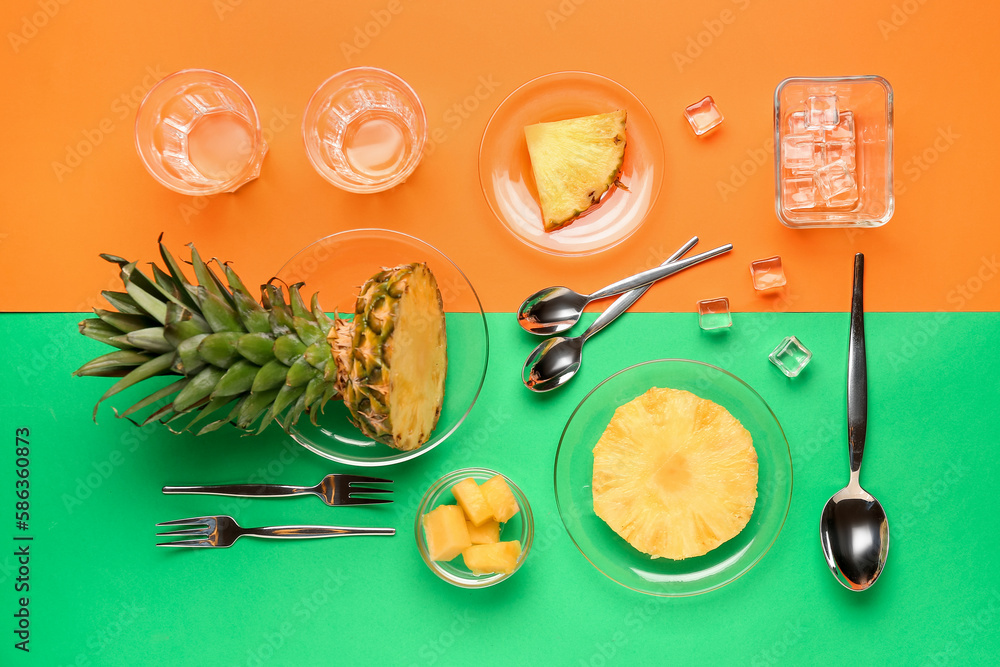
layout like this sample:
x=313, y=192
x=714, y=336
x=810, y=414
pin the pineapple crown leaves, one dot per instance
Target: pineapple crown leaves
x=236, y=360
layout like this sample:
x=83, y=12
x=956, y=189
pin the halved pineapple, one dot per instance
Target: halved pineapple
x=575, y=161
x=675, y=475
x=392, y=356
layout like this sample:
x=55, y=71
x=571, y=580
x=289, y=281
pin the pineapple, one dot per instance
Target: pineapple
x=675, y=475
x=575, y=162
x=393, y=357
x=239, y=361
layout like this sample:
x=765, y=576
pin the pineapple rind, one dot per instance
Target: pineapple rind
x=675, y=475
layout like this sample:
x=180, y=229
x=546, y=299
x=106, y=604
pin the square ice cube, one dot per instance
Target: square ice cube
x=703, y=115
x=799, y=152
x=798, y=193
x=714, y=314
x=844, y=199
x=839, y=150
x=834, y=178
x=797, y=125
x=844, y=130
x=767, y=273
x=822, y=112
x=791, y=356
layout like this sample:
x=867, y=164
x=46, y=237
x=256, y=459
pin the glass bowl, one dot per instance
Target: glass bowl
x=336, y=266
x=520, y=527
x=869, y=101
x=611, y=554
x=509, y=184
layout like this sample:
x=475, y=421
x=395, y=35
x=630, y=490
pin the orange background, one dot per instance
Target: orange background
x=74, y=73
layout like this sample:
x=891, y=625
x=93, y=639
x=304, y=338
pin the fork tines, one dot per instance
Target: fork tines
x=205, y=523
x=352, y=497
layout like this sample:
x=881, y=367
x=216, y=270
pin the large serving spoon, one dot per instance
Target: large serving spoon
x=853, y=528
x=555, y=309
x=555, y=361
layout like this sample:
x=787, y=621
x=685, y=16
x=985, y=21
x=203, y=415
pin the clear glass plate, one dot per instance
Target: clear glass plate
x=505, y=167
x=336, y=267
x=616, y=558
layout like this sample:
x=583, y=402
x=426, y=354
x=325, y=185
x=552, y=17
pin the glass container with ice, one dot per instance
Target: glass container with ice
x=833, y=152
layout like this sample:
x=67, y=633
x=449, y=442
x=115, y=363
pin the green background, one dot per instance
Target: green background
x=102, y=594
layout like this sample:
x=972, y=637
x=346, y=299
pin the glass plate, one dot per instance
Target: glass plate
x=509, y=185
x=336, y=266
x=612, y=555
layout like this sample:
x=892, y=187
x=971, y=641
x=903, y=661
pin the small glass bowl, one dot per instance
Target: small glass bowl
x=869, y=98
x=335, y=267
x=520, y=527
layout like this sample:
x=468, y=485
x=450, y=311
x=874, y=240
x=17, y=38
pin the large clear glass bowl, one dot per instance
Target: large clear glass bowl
x=336, y=266
x=616, y=558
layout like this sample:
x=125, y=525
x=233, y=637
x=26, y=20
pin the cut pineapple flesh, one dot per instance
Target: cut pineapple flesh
x=500, y=498
x=472, y=501
x=574, y=162
x=675, y=475
x=488, y=533
x=446, y=532
x=499, y=558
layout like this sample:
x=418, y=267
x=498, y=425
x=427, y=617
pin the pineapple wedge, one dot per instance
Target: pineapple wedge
x=575, y=161
x=446, y=532
x=488, y=533
x=472, y=501
x=500, y=498
x=675, y=475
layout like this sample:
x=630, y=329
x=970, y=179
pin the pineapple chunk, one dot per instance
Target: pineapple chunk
x=471, y=499
x=492, y=558
x=575, y=162
x=500, y=499
x=675, y=475
x=488, y=533
x=446, y=532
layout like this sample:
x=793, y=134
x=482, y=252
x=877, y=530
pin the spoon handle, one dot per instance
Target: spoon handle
x=857, y=372
x=660, y=272
x=625, y=301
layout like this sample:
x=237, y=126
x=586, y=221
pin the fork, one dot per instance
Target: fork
x=222, y=531
x=334, y=490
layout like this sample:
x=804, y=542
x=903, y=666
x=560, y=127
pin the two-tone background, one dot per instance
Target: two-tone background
x=73, y=187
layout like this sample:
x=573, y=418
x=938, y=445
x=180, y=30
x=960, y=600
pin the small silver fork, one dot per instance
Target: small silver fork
x=222, y=531
x=335, y=490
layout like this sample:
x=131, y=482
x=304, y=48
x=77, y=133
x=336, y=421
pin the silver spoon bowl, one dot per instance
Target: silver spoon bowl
x=853, y=528
x=555, y=361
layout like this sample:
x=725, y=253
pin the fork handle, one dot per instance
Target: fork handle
x=306, y=532
x=241, y=490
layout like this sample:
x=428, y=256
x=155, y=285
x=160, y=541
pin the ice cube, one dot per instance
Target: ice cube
x=714, y=314
x=844, y=130
x=799, y=152
x=791, y=356
x=798, y=193
x=703, y=115
x=844, y=199
x=822, y=112
x=834, y=178
x=767, y=273
x=797, y=125
x=839, y=150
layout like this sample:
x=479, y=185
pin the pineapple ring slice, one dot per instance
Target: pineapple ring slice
x=675, y=475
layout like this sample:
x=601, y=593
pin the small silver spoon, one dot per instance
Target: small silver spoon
x=853, y=528
x=555, y=361
x=555, y=309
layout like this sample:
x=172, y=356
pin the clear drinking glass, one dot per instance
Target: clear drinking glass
x=833, y=152
x=364, y=130
x=198, y=133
